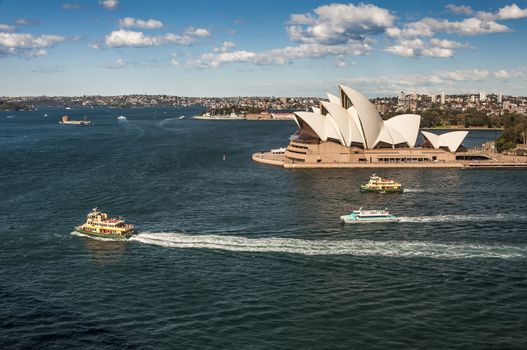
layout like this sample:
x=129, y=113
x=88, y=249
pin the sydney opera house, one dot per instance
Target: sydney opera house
x=347, y=130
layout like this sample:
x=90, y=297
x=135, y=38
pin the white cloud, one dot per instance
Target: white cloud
x=71, y=6
x=6, y=27
x=177, y=39
x=419, y=48
x=173, y=59
x=423, y=83
x=338, y=23
x=280, y=56
x=340, y=62
x=225, y=46
x=446, y=44
x=27, y=22
x=117, y=64
x=502, y=74
x=29, y=41
x=129, y=22
x=465, y=10
x=198, y=32
x=109, y=4
x=463, y=75
x=94, y=45
x=511, y=12
x=301, y=18
x=123, y=38
x=120, y=38
x=428, y=26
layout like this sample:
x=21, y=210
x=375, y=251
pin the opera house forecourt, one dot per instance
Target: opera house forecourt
x=348, y=132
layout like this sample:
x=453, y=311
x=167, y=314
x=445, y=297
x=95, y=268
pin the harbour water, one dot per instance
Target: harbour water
x=234, y=254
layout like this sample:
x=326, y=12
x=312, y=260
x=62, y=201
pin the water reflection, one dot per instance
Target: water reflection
x=104, y=252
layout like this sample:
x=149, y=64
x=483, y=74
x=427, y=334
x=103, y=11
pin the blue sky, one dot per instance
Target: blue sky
x=270, y=48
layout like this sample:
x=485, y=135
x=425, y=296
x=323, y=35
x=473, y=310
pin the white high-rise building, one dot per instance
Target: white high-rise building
x=482, y=96
x=500, y=98
x=443, y=98
x=433, y=98
x=472, y=98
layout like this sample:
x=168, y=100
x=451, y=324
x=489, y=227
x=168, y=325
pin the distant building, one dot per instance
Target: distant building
x=443, y=98
x=500, y=98
x=472, y=98
x=482, y=96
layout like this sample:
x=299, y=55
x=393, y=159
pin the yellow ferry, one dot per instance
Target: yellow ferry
x=98, y=224
x=380, y=185
x=66, y=120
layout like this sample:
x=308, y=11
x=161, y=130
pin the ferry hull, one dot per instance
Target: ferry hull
x=353, y=220
x=106, y=235
x=378, y=190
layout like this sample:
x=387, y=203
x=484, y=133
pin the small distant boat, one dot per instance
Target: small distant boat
x=45, y=115
x=68, y=108
x=98, y=224
x=182, y=117
x=121, y=117
x=66, y=120
x=380, y=185
x=368, y=216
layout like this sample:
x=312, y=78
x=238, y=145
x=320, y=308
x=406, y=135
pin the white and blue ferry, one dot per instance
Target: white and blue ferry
x=368, y=216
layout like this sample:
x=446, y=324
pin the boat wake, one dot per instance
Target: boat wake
x=75, y=233
x=464, y=218
x=356, y=247
x=414, y=190
x=165, y=121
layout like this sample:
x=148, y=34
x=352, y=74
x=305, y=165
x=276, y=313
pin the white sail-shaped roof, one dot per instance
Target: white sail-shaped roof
x=352, y=119
x=321, y=125
x=334, y=99
x=355, y=117
x=346, y=126
x=407, y=125
x=452, y=140
x=316, y=121
x=370, y=119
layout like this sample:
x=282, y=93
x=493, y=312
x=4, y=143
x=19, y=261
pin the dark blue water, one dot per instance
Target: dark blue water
x=233, y=254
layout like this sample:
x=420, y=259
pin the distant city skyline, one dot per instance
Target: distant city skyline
x=274, y=48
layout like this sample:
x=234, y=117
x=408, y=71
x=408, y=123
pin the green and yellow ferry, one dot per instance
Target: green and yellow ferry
x=380, y=185
x=99, y=224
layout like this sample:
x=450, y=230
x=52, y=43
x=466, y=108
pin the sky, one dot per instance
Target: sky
x=267, y=48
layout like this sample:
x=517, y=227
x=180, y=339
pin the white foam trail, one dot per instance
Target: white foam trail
x=75, y=233
x=357, y=247
x=167, y=120
x=463, y=218
x=414, y=190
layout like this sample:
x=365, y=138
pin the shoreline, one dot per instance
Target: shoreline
x=273, y=159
